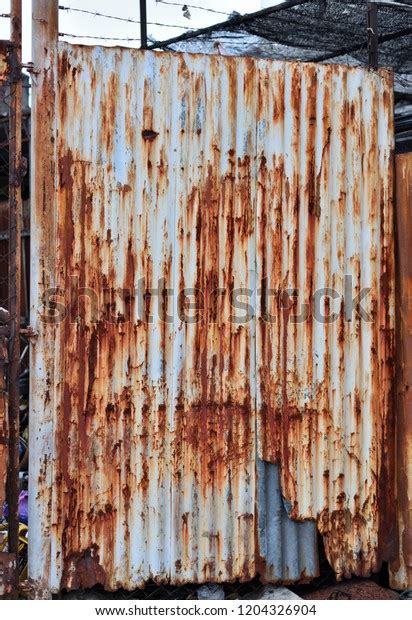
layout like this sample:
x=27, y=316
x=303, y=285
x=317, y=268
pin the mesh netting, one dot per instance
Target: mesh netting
x=153, y=591
x=323, y=27
x=316, y=30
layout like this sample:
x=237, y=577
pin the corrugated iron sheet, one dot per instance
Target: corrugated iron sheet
x=324, y=200
x=232, y=177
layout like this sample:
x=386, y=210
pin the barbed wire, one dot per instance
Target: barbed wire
x=91, y=36
x=118, y=18
x=191, y=6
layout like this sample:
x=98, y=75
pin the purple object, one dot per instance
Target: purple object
x=23, y=507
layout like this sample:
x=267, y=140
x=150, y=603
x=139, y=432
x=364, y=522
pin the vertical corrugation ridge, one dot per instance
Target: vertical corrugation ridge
x=174, y=131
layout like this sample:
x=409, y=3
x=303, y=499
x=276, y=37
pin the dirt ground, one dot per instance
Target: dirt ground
x=353, y=589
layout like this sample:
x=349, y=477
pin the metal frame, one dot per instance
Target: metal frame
x=9, y=575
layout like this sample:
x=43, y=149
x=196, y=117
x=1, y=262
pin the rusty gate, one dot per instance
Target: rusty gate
x=213, y=293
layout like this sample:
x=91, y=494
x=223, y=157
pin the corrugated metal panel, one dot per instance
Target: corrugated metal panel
x=288, y=549
x=210, y=174
x=324, y=213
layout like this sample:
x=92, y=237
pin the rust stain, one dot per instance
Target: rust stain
x=82, y=570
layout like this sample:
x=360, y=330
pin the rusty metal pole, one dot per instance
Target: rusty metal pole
x=43, y=219
x=373, y=36
x=143, y=24
x=401, y=566
x=15, y=213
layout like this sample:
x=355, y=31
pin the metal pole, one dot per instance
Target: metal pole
x=401, y=565
x=15, y=212
x=143, y=24
x=43, y=223
x=373, y=34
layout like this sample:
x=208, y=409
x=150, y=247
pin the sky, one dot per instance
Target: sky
x=82, y=24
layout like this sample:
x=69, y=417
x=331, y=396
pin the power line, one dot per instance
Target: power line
x=121, y=19
x=191, y=6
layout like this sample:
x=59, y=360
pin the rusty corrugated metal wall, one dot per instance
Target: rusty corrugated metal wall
x=247, y=180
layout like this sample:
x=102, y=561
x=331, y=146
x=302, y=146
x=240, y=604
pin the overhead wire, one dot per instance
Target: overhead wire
x=91, y=36
x=192, y=6
x=118, y=18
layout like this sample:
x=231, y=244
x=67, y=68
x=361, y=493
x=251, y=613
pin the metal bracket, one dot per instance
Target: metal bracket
x=30, y=333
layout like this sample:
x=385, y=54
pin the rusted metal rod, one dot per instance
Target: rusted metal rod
x=401, y=566
x=15, y=210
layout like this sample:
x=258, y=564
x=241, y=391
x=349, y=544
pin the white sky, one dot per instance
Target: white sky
x=80, y=23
